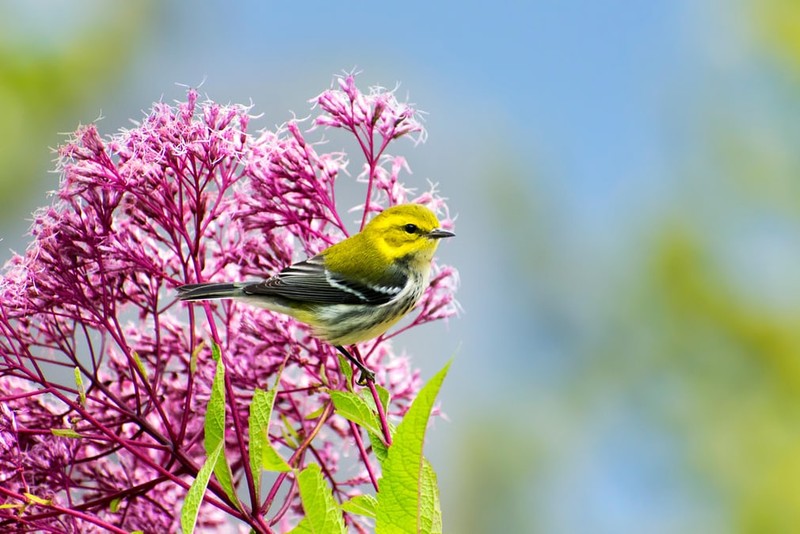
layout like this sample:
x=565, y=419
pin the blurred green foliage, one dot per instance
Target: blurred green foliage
x=738, y=357
x=45, y=79
x=684, y=338
x=779, y=29
x=736, y=372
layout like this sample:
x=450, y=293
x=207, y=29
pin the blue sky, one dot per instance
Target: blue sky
x=576, y=90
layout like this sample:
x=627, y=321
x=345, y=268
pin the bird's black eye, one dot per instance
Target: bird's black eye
x=410, y=228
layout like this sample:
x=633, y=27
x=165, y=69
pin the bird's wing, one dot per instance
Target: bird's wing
x=309, y=281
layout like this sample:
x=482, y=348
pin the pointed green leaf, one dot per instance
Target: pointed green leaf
x=193, y=358
x=194, y=497
x=431, y=513
x=273, y=461
x=113, y=506
x=379, y=448
x=35, y=499
x=301, y=528
x=383, y=395
x=79, y=384
x=361, y=505
x=65, y=433
x=354, y=408
x=139, y=363
x=215, y=427
x=322, y=513
x=258, y=426
x=347, y=371
x=262, y=454
x=406, y=502
x=289, y=434
x=316, y=413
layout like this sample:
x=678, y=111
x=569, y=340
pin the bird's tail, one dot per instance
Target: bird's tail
x=209, y=291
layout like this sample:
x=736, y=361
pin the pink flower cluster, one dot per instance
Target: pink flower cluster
x=94, y=346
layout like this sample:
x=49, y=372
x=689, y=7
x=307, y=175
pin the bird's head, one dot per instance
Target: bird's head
x=407, y=231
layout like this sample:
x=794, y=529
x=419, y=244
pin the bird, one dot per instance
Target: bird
x=354, y=290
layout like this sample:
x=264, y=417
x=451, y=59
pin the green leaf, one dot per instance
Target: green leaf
x=79, y=384
x=315, y=414
x=262, y=454
x=431, y=518
x=113, y=506
x=383, y=395
x=347, y=371
x=65, y=433
x=139, y=364
x=361, y=505
x=35, y=499
x=290, y=435
x=379, y=447
x=194, y=497
x=406, y=500
x=301, y=528
x=214, y=426
x=258, y=426
x=193, y=358
x=273, y=461
x=354, y=408
x=322, y=513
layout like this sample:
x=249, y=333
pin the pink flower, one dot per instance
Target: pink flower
x=187, y=195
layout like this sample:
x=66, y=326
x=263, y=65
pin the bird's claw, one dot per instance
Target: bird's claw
x=366, y=377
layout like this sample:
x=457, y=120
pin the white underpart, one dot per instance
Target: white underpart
x=339, y=327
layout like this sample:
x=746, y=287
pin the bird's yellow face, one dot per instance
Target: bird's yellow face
x=408, y=231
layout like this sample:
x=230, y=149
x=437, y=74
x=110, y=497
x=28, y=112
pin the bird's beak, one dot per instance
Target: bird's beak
x=438, y=233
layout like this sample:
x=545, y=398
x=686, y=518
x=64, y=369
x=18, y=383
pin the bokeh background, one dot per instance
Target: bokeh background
x=627, y=181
